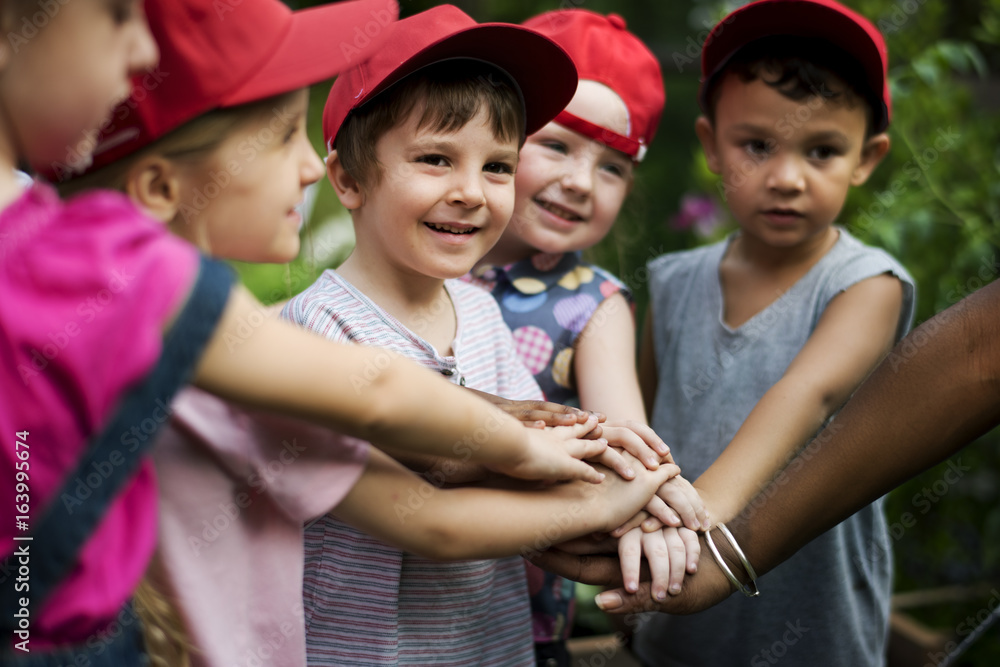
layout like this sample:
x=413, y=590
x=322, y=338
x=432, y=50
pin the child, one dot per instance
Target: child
x=424, y=143
x=234, y=482
x=759, y=339
x=96, y=282
x=572, y=321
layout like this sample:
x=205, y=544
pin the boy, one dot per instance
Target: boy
x=759, y=339
x=424, y=142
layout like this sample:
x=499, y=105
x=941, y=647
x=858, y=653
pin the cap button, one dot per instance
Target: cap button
x=617, y=21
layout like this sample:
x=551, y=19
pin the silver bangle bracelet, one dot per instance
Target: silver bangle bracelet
x=749, y=591
x=743, y=559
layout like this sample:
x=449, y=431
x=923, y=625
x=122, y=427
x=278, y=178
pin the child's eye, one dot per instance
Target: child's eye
x=499, y=168
x=433, y=160
x=824, y=152
x=758, y=148
x=121, y=11
x=290, y=133
x=613, y=169
x=557, y=146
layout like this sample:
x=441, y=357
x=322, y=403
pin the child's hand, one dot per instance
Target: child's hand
x=670, y=553
x=676, y=503
x=558, y=454
x=539, y=414
x=638, y=440
x=618, y=498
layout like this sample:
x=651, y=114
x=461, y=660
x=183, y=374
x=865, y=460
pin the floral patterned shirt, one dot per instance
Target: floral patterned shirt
x=547, y=301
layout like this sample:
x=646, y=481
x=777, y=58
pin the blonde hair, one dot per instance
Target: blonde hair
x=167, y=641
x=191, y=143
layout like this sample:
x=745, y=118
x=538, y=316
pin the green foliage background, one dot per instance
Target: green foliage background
x=934, y=204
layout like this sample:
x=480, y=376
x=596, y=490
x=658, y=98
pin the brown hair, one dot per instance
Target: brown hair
x=450, y=93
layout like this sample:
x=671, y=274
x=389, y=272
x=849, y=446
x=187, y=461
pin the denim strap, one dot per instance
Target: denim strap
x=64, y=528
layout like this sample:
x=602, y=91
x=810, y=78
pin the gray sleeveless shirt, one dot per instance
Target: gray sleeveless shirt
x=829, y=604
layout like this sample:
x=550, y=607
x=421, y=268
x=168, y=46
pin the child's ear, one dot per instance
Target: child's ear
x=874, y=150
x=153, y=184
x=346, y=186
x=706, y=135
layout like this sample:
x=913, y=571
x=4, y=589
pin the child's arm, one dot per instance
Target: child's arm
x=648, y=379
x=606, y=379
x=604, y=362
x=853, y=334
x=472, y=522
x=936, y=392
x=397, y=404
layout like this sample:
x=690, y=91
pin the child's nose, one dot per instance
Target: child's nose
x=786, y=174
x=312, y=167
x=578, y=177
x=467, y=190
x=143, y=52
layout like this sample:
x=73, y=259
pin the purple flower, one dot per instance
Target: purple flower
x=699, y=213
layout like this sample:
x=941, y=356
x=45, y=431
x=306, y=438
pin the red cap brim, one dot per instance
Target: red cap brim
x=311, y=51
x=541, y=69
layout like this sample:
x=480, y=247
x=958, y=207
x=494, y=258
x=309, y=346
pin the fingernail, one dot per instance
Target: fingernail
x=629, y=472
x=608, y=600
x=675, y=589
x=661, y=595
x=693, y=566
x=652, y=464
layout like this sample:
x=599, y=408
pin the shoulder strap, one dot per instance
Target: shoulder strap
x=57, y=538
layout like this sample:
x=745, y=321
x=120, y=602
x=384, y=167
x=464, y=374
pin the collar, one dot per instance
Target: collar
x=543, y=267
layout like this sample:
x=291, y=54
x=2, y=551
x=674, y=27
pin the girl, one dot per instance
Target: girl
x=572, y=321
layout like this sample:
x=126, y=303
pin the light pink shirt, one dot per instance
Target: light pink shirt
x=235, y=489
x=87, y=288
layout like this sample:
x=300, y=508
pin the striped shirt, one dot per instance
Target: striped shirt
x=367, y=603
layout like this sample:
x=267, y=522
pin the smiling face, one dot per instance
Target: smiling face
x=61, y=81
x=443, y=199
x=786, y=165
x=240, y=203
x=570, y=188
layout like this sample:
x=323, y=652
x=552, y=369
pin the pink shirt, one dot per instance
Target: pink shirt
x=87, y=288
x=235, y=489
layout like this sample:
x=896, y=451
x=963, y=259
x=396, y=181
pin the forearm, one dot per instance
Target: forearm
x=605, y=363
x=396, y=506
x=362, y=391
x=439, y=470
x=781, y=422
x=937, y=391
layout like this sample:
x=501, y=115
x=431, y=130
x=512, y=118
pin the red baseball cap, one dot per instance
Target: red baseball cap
x=603, y=50
x=223, y=53
x=819, y=19
x=543, y=72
